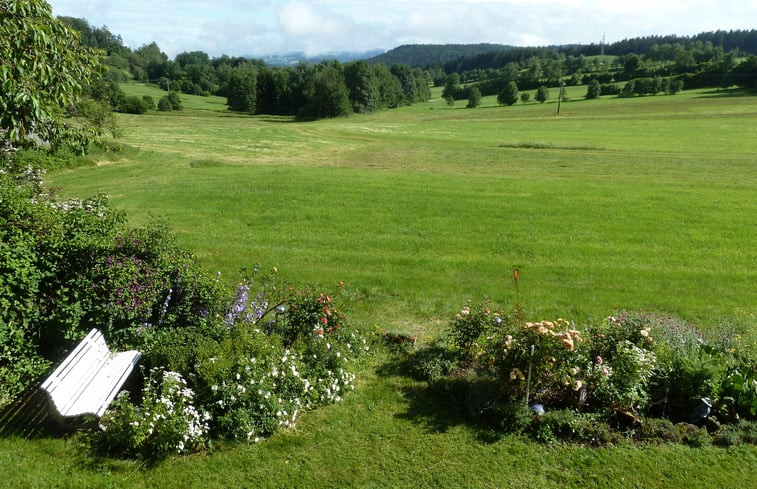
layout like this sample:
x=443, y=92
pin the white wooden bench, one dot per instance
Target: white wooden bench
x=89, y=378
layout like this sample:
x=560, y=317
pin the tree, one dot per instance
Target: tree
x=241, y=93
x=43, y=68
x=326, y=92
x=361, y=83
x=525, y=97
x=474, y=97
x=509, y=95
x=594, y=89
x=542, y=94
x=451, y=88
x=388, y=86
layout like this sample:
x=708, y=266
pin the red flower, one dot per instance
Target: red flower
x=324, y=320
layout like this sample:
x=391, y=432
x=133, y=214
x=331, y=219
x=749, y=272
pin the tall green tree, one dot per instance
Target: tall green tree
x=474, y=97
x=388, y=86
x=326, y=92
x=509, y=95
x=451, y=88
x=241, y=92
x=594, y=89
x=43, y=68
x=542, y=94
x=361, y=83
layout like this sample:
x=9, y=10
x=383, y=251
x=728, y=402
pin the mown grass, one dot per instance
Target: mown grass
x=615, y=203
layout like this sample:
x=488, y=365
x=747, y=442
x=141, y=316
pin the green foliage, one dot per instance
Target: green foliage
x=67, y=266
x=525, y=97
x=509, y=95
x=542, y=94
x=133, y=105
x=175, y=100
x=470, y=323
x=42, y=69
x=594, y=90
x=241, y=91
x=575, y=426
x=326, y=93
x=164, y=105
x=147, y=99
x=164, y=423
x=629, y=365
x=474, y=97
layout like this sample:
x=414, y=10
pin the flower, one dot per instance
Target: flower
x=599, y=360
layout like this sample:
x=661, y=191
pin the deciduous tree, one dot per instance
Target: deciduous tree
x=43, y=67
x=542, y=94
x=509, y=95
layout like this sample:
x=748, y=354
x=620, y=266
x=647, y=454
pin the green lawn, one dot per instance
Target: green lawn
x=642, y=203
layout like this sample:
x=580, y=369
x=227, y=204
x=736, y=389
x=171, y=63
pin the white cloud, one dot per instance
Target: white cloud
x=259, y=27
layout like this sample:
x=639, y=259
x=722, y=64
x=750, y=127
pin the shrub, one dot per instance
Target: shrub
x=164, y=104
x=175, y=100
x=149, y=101
x=470, y=323
x=609, y=89
x=569, y=425
x=594, y=90
x=165, y=422
x=133, y=105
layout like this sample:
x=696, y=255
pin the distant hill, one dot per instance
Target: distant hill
x=423, y=55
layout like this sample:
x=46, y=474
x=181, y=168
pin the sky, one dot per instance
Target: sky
x=267, y=27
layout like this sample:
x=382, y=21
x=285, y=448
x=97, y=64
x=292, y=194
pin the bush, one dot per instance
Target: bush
x=68, y=266
x=609, y=376
x=175, y=100
x=165, y=422
x=594, y=90
x=573, y=426
x=149, y=101
x=609, y=89
x=165, y=105
x=133, y=105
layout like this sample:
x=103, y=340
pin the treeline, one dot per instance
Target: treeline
x=327, y=89
x=696, y=65
x=428, y=55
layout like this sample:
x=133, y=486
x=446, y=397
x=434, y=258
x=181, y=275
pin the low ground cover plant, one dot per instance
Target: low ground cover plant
x=638, y=375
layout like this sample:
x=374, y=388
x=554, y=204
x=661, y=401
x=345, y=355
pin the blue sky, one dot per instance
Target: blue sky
x=261, y=27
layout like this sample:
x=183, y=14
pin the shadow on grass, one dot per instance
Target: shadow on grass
x=445, y=404
x=728, y=92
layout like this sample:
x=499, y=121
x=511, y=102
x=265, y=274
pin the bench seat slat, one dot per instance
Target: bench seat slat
x=90, y=377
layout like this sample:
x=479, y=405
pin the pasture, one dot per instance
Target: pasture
x=644, y=203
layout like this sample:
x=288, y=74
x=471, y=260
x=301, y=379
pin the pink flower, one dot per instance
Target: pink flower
x=599, y=360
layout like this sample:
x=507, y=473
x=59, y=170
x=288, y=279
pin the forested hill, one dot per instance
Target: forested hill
x=463, y=57
x=423, y=55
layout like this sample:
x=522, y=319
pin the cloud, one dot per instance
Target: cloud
x=260, y=27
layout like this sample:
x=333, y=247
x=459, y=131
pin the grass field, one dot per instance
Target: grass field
x=645, y=203
x=615, y=203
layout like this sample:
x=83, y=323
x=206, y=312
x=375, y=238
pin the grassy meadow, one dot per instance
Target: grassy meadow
x=644, y=203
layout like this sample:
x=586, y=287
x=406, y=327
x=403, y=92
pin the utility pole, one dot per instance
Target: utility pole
x=559, y=96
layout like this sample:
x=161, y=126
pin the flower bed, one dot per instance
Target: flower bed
x=557, y=380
